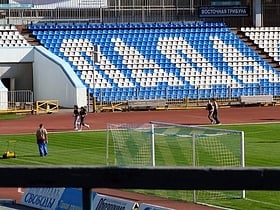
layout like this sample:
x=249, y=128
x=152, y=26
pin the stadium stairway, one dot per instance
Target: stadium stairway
x=148, y=61
x=265, y=55
x=27, y=34
x=267, y=38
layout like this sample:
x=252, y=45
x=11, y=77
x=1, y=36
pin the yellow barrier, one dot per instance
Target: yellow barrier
x=47, y=106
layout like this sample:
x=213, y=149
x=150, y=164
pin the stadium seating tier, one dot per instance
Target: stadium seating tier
x=119, y=62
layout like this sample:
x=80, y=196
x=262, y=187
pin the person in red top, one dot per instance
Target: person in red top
x=42, y=140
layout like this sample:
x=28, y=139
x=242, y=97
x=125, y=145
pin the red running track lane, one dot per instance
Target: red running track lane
x=63, y=121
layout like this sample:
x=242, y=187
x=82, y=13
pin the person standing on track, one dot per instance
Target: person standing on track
x=216, y=111
x=210, y=109
x=42, y=140
x=76, y=116
x=83, y=114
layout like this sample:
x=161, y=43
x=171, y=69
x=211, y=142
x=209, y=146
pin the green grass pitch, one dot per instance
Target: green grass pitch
x=262, y=146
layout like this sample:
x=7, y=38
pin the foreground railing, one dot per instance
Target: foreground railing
x=198, y=178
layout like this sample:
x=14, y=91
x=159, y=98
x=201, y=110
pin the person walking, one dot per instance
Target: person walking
x=210, y=109
x=83, y=114
x=216, y=111
x=42, y=140
x=76, y=116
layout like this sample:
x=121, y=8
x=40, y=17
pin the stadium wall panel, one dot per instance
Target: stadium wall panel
x=3, y=97
x=16, y=54
x=55, y=80
x=38, y=70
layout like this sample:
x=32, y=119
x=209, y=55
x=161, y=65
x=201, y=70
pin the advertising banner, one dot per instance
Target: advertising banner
x=101, y=202
x=42, y=198
x=70, y=199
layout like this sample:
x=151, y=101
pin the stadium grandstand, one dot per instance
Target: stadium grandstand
x=115, y=53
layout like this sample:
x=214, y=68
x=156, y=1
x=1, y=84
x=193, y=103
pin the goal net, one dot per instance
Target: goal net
x=165, y=144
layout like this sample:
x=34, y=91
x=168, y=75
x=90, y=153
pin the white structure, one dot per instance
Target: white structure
x=48, y=76
x=3, y=97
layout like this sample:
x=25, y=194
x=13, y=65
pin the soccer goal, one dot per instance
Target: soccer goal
x=166, y=144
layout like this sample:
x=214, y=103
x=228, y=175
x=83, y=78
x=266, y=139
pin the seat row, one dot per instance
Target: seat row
x=78, y=26
x=10, y=37
x=260, y=29
x=8, y=28
x=181, y=94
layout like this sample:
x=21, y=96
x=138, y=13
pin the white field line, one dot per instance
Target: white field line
x=263, y=202
x=214, y=206
x=249, y=123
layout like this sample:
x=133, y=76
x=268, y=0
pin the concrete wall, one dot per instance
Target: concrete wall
x=16, y=63
x=55, y=80
x=48, y=76
x=3, y=97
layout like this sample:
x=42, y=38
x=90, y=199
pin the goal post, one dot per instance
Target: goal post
x=222, y=142
x=167, y=144
x=131, y=145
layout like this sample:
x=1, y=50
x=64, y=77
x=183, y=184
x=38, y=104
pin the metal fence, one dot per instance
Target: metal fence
x=17, y=100
x=103, y=11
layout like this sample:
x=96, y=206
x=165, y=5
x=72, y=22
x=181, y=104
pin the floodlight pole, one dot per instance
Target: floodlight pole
x=93, y=86
x=101, y=12
x=95, y=59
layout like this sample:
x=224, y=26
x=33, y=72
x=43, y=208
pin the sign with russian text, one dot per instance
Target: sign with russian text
x=207, y=12
x=102, y=202
x=42, y=198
